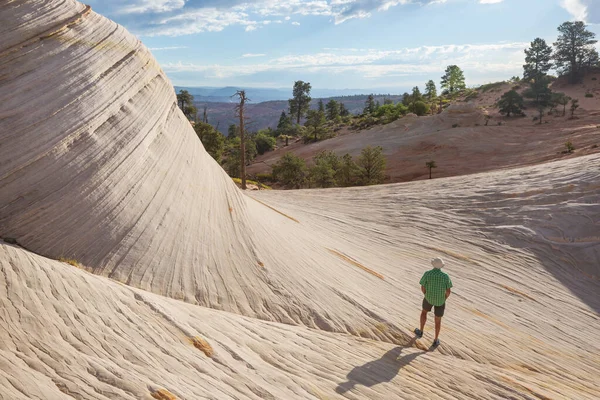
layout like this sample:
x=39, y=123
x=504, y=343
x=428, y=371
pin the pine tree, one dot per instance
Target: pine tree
x=574, y=49
x=431, y=165
x=284, y=125
x=538, y=60
x=372, y=165
x=314, y=121
x=347, y=172
x=344, y=112
x=300, y=102
x=321, y=107
x=333, y=110
x=416, y=95
x=430, y=90
x=369, y=105
x=453, y=79
x=290, y=170
x=185, y=101
x=563, y=100
x=511, y=103
x=232, y=131
x=574, y=106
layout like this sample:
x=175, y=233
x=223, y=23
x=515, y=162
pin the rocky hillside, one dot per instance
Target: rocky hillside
x=459, y=140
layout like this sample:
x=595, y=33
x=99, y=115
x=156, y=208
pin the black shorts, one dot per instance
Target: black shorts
x=439, y=310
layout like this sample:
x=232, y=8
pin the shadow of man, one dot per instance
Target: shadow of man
x=378, y=371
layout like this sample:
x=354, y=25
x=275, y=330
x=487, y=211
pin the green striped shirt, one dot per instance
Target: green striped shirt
x=436, y=283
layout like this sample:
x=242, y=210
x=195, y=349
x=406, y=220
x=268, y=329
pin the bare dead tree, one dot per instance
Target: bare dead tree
x=239, y=112
x=205, y=114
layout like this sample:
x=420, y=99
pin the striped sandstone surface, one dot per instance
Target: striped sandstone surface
x=189, y=288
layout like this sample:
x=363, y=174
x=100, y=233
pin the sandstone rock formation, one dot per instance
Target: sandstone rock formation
x=190, y=287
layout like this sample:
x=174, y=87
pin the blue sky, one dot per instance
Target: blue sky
x=339, y=44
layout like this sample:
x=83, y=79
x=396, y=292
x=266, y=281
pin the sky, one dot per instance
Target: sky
x=387, y=45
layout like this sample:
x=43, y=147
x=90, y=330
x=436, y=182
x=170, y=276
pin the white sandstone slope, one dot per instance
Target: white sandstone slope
x=522, y=322
x=99, y=165
x=313, y=293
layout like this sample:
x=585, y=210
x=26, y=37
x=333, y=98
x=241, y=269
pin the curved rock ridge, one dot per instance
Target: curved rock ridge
x=98, y=165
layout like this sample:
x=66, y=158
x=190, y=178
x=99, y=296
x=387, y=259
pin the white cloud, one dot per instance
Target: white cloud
x=583, y=10
x=181, y=17
x=502, y=58
x=490, y=1
x=296, y=23
x=252, y=55
x=202, y=20
x=145, y=6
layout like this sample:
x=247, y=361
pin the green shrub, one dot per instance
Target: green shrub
x=264, y=142
x=455, y=125
x=264, y=177
x=251, y=182
x=594, y=79
x=323, y=172
x=419, y=108
x=595, y=146
x=589, y=95
x=390, y=112
x=290, y=170
x=212, y=140
x=570, y=147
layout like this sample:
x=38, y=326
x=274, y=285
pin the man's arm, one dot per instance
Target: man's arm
x=448, y=286
x=423, y=289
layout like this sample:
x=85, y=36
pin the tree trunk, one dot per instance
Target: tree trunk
x=429, y=172
x=242, y=140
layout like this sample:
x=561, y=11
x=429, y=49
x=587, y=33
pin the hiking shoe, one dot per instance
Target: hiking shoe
x=419, y=333
x=436, y=343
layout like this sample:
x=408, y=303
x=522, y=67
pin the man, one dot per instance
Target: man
x=435, y=285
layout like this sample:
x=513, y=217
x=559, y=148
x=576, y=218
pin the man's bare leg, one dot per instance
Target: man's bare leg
x=438, y=326
x=423, y=319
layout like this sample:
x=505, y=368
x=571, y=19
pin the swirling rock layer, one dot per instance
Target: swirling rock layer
x=98, y=165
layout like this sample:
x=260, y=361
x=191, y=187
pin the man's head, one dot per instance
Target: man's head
x=437, y=263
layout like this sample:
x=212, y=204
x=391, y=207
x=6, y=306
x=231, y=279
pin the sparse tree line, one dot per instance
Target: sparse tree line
x=318, y=124
x=572, y=56
x=416, y=102
x=330, y=170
